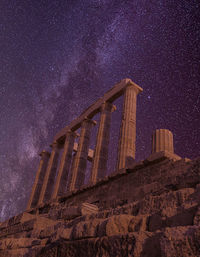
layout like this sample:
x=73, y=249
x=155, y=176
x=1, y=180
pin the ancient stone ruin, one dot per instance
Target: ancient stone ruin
x=146, y=208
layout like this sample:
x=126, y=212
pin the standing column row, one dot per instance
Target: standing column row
x=44, y=182
x=99, y=165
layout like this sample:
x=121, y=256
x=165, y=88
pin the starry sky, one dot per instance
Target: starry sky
x=58, y=56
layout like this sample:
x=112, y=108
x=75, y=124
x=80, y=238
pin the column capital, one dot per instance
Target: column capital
x=134, y=86
x=55, y=145
x=72, y=133
x=88, y=120
x=108, y=106
x=43, y=153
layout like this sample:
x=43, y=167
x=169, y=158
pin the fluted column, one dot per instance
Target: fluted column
x=39, y=179
x=65, y=164
x=100, y=159
x=80, y=159
x=162, y=140
x=48, y=184
x=71, y=170
x=126, y=147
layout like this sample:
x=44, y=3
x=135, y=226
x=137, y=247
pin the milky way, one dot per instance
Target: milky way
x=57, y=57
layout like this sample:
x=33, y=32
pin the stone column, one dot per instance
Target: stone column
x=162, y=140
x=71, y=170
x=80, y=160
x=39, y=179
x=126, y=147
x=100, y=159
x=65, y=164
x=48, y=184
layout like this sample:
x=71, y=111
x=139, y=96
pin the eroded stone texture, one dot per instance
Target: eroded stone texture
x=158, y=178
x=162, y=140
x=158, y=219
x=105, y=246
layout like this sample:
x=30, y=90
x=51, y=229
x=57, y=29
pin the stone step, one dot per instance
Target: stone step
x=37, y=223
x=171, y=242
x=22, y=217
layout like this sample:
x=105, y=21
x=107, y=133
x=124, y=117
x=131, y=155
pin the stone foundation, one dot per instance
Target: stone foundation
x=156, y=214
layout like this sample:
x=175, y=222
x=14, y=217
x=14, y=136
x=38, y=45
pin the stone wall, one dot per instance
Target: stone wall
x=131, y=185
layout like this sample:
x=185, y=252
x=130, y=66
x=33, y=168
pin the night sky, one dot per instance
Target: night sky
x=57, y=57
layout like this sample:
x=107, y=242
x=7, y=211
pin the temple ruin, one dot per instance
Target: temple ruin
x=143, y=208
x=72, y=168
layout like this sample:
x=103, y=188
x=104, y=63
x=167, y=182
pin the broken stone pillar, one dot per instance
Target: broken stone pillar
x=80, y=210
x=162, y=146
x=39, y=180
x=65, y=164
x=100, y=159
x=162, y=140
x=48, y=184
x=88, y=208
x=80, y=160
x=126, y=147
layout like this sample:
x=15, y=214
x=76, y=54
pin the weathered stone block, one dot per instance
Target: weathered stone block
x=105, y=246
x=85, y=229
x=87, y=208
x=115, y=225
x=138, y=223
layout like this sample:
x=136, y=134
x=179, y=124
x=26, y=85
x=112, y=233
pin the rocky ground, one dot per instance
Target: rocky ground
x=161, y=223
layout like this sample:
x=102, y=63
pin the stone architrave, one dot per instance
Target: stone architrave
x=65, y=164
x=80, y=160
x=100, y=159
x=162, y=140
x=49, y=179
x=126, y=147
x=39, y=179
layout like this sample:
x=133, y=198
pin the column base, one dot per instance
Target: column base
x=162, y=155
x=129, y=162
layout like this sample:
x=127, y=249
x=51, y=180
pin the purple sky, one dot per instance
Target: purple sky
x=57, y=57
